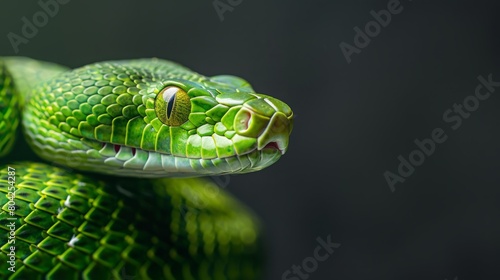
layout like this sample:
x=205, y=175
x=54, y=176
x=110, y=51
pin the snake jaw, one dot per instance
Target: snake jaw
x=119, y=160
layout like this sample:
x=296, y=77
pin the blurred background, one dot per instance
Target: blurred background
x=352, y=122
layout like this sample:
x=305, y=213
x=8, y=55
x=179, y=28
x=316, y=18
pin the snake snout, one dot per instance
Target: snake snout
x=277, y=133
x=271, y=131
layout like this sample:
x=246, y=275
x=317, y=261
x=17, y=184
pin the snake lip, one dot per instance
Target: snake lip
x=274, y=146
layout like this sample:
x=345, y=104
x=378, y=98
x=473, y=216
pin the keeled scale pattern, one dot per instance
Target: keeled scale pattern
x=105, y=102
x=9, y=110
x=134, y=229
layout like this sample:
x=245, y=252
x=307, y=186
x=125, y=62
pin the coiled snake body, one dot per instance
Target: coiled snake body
x=101, y=207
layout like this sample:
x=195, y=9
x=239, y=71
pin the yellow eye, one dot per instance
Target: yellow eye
x=172, y=106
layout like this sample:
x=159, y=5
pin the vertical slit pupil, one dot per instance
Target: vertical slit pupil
x=170, y=105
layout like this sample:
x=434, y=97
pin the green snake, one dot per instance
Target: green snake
x=97, y=203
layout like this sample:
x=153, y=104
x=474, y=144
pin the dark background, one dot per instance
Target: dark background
x=352, y=120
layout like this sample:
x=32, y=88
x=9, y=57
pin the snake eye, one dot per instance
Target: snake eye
x=172, y=106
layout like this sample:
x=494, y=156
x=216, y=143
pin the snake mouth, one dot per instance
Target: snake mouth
x=123, y=149
x=274, y=146
x=122, y=160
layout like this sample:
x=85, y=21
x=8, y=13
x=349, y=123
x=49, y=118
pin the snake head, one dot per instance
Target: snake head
x=223, y=120
x=154, y=118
